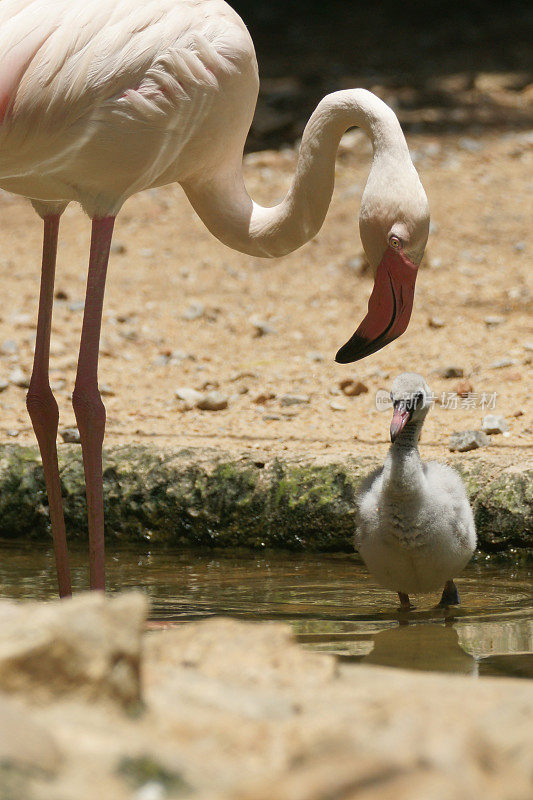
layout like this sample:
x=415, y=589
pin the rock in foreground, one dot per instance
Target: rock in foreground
x=238, y=711
x=85, y=645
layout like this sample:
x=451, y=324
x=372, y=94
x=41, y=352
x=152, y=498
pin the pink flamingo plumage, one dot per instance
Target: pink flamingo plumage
x=104, y=99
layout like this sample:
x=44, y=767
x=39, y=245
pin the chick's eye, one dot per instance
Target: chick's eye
x=395, y=242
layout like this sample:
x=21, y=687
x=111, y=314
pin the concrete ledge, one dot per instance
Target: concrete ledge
x=208, y=497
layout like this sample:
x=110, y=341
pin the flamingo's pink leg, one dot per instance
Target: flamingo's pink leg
x=42, y=406
x=88, y=406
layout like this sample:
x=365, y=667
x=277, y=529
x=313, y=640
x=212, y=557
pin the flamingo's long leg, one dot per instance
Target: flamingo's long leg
x=42, y=406
x=88, y=406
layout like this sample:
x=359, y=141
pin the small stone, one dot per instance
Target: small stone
x=209, y=386
x=518, y=413
x=337, y=406
x=161, y=360
x=244, y=374
x=352, y=388
x=263, y=398
x=504, y=362
x=3, y=385
x=493, y=321
x=493, y=423
x=70, y=435
x=436, y=322
x=262, y=328
x=14, y=432
x=194, y=311
x=23, y=320
x=213, y=401
x=18, y=378
x=295, y=399
x=61, y=295
x=106, y=390
x=520, y=247
x=462, y=441
x=189, y=396
x=271, y=417
x=177, y=356
x=10, y=346
x=313, y=355
x=451, y=372
x=463, y=388
x=118, y=248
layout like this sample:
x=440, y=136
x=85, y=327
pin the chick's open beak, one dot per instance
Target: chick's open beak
x=389, y=308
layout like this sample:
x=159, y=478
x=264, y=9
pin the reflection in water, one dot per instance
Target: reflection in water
x=426, y=646
x=331, y=601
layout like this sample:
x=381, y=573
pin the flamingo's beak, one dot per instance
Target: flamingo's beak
x=389, y=308
x=400, y=418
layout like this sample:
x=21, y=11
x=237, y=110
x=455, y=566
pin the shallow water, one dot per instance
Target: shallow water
x=331, y=601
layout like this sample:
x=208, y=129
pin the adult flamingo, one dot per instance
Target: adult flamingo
x=100, y=100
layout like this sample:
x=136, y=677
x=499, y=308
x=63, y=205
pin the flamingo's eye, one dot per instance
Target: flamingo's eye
x=395, y=242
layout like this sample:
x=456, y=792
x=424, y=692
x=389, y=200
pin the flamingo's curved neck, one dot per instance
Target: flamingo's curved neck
x=224, y=205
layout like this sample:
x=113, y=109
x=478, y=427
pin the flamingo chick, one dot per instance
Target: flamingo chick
x=415, y=528
x=102, y=99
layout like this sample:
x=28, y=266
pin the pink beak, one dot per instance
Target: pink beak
x=400, y=418
x=389, y=308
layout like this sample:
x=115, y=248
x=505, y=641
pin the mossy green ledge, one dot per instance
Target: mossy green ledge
x=208, y=497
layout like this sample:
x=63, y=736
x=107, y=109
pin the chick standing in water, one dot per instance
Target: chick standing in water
x=415, y=527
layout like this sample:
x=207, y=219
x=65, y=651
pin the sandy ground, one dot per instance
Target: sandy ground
x=166, y=268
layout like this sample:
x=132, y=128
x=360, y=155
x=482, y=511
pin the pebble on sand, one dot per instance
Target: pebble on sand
x=212, y=401
x=263, y=398
x=337, y=406
x=294, y=399
x=70, y=435
x=451, y=372
x=503, y=362
x=194, y=311
x=493, y=423
x=18, y=378
x=352, y=388
x=262, y=328
x=189, y=396
x=463, y=388
x=462, y=441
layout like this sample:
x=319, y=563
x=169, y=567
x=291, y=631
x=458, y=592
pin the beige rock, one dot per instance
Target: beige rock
x=87, y=645
x=238, y=711
x=25, y=743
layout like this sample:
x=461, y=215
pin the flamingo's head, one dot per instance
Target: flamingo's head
x=394, y=227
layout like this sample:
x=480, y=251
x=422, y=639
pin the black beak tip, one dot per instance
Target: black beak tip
x=354, y=349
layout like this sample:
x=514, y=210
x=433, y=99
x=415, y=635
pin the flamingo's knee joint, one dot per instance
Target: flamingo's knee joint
x=90, y=411
x=43, y=409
